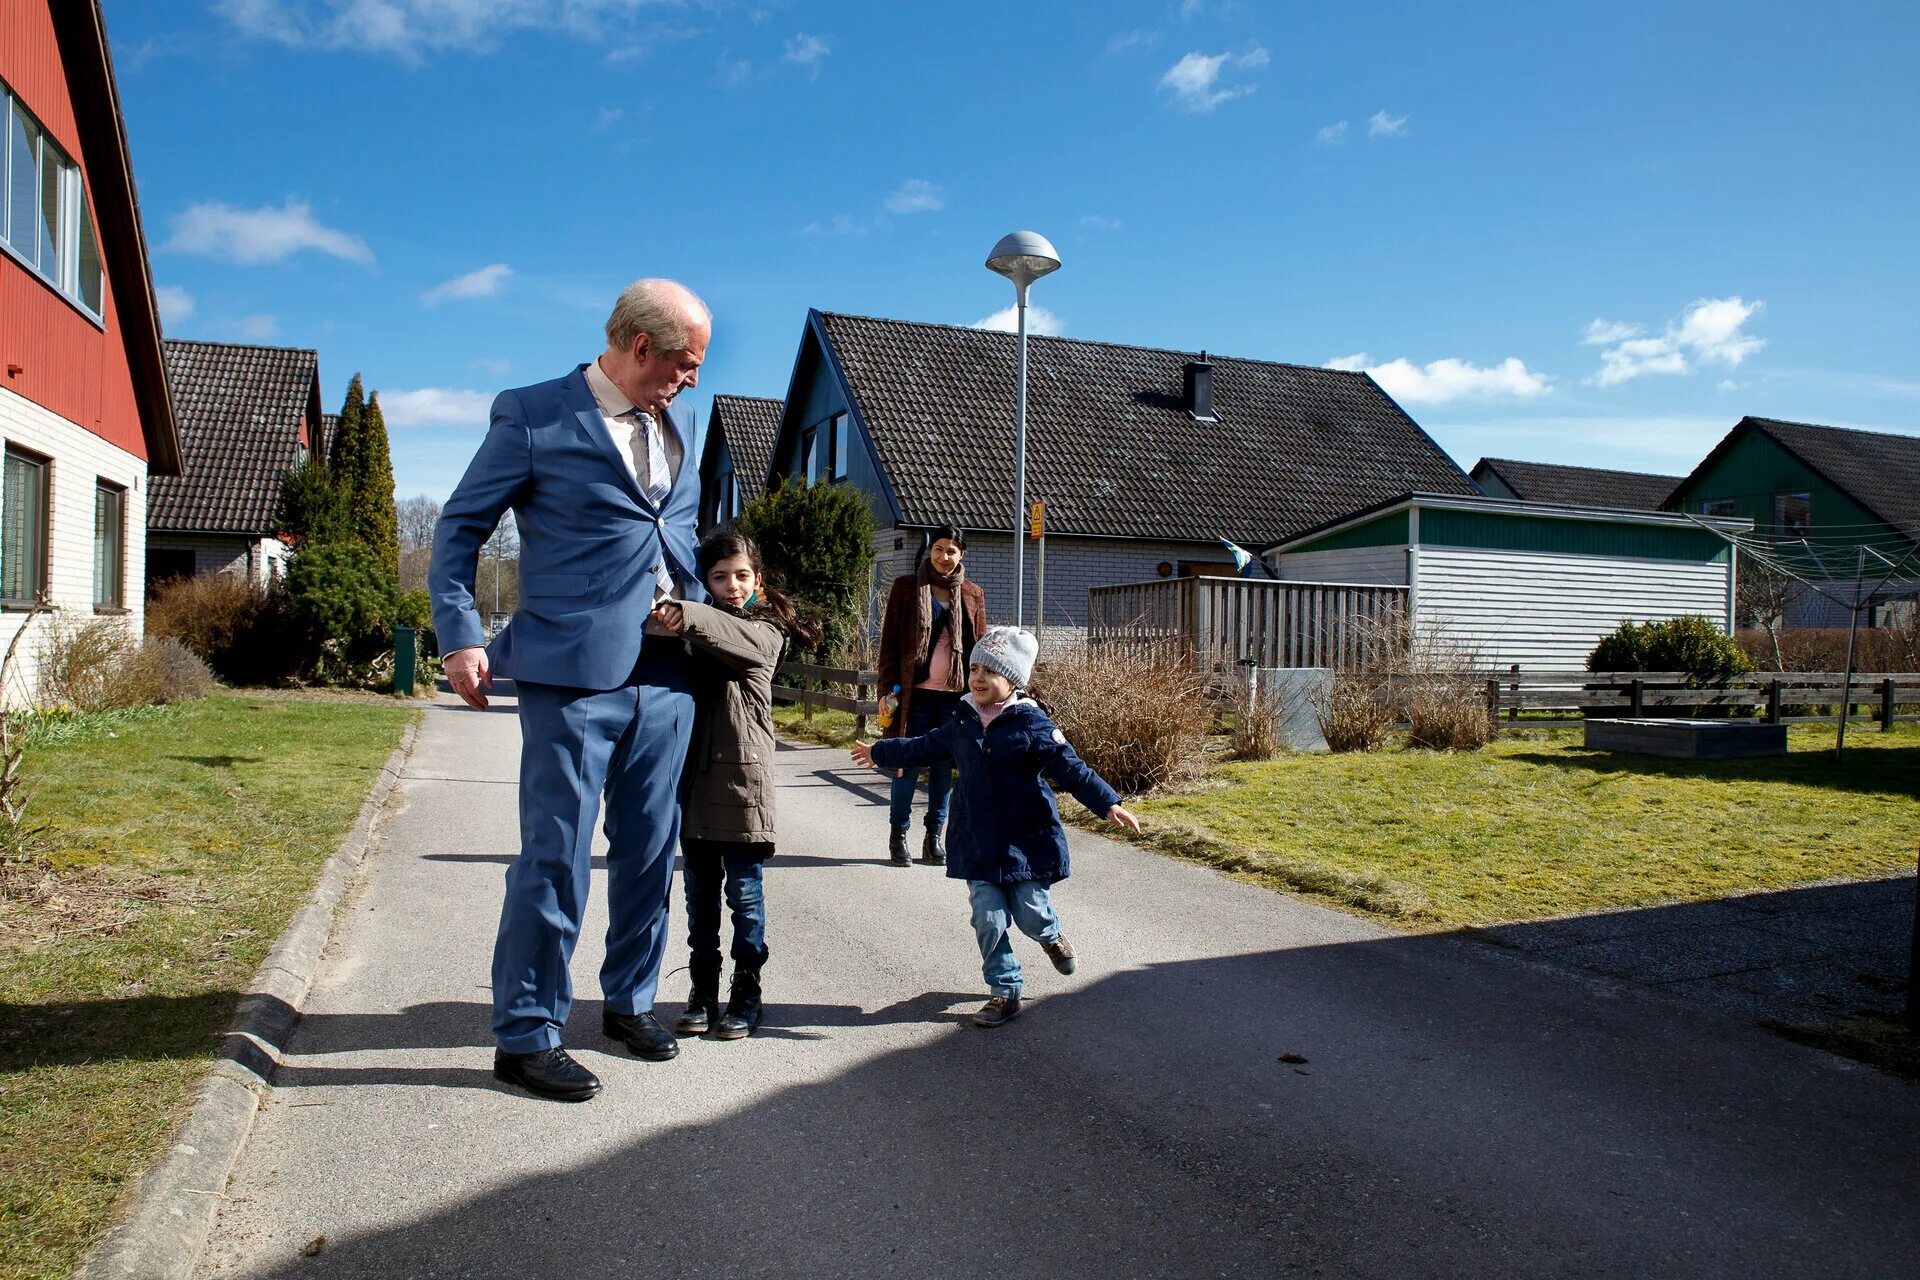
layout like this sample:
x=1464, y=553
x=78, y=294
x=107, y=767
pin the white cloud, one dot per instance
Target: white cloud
x=1331, y=135
x=1604, y=333
x=916, y=195
x=1195, y=80
x=175, y=303
x=1188, y=8
x=840, y=224
x=1728, y=384
x=808, y=51
x=1039, y=320
x=492, y=364
x=1100, y=222
x=253, y=236
x=1135, y=39
x=483, y=283
x=732, y=72
x=258, y=328
x=608, y=117
x=436, y=407
x=410, y=30
x=1709, y=331
x=1671, y=445
x=1382, y=125
x=1449, y=379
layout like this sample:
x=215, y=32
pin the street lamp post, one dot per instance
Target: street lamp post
x=1022, y=257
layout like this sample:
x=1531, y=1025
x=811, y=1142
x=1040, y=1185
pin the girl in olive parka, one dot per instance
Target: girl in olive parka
x=726, y=815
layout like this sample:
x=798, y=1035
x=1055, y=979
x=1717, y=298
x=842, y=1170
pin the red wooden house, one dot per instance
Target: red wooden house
x=85, y=412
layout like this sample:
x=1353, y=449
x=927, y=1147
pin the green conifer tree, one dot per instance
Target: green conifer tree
x=375, y=521
x=345, y=455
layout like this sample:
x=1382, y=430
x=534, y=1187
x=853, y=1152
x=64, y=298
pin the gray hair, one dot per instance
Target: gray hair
x=664, y=310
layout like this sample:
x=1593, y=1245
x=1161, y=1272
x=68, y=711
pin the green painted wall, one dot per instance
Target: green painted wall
x=1573, y=537
x=1383, y=531
x=1753, y=471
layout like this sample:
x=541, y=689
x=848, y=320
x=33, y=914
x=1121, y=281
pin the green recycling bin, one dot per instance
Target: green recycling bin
x=406, y=658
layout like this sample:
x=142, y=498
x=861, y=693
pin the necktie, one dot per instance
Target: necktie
x=650, y=459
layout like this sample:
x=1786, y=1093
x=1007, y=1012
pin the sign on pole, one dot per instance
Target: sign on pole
x=1037, y=520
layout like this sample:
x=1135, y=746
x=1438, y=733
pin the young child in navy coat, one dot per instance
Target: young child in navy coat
x=1004, y=836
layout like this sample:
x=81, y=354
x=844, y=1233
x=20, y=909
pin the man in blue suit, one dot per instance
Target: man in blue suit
x=602, y=480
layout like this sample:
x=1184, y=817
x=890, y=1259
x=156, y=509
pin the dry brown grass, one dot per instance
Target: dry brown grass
x=1137, y=713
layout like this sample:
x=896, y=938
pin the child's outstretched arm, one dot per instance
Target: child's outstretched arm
x=1066, y=770
x=903, y=753
x=744, y=644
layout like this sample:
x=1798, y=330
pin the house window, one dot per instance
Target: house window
x=23, y=528
x=841, y=441
x=109, y=545
x=1792, y=513
x=1717, y=507
x=810, y=455
x=44, y=219
x=723, y=494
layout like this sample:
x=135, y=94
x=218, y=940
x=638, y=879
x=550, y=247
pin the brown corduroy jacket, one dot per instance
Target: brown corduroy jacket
x=900, y=656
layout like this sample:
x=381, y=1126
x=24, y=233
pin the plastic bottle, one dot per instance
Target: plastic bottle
x=888, y=706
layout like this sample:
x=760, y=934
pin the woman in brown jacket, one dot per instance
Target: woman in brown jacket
x=924, y=643
x=726, y=815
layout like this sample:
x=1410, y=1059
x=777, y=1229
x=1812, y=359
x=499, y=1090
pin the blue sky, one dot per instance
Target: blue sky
x=1571, y=233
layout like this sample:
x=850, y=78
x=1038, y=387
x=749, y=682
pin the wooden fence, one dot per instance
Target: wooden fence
x=862, y=704
x=1778, y=697
x=1227, y=621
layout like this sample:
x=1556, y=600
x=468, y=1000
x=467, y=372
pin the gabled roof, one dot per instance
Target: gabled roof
x=749, y=425
x=1880, y=470
x=241, y=413
x=1578, y=486
x=82, y=31
x=1111, y=448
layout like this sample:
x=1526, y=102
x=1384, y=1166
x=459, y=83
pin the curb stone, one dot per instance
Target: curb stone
x=169, y=1220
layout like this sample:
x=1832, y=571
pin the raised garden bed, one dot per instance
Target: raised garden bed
x=1689, y=739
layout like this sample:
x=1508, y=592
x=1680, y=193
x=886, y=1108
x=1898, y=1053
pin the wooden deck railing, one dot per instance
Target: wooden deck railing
x=1227, y=621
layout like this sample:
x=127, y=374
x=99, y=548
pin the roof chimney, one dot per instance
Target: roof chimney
x=1200, y=390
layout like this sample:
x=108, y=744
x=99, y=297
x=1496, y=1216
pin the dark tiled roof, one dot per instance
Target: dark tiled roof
x=749, y=424
x=1878, y=469
x=1579, y=486
x=329, y=424
x=240, y=410
x=1110, y=446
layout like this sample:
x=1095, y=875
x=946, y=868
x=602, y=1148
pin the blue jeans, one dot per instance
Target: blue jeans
x=997, y=910
x=714, y=867
x=930, y=708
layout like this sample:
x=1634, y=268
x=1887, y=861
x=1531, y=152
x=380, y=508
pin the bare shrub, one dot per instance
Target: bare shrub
x=1137, y=713
x=1891, y=648
x=160, y=671
x=1256, y=726
x=245, y=634
x=1352, y=715
x=79, y=662
x=1447, y=713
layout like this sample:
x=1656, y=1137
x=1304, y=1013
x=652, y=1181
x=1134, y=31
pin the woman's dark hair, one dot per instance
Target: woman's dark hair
x=727, y=542
x=951, y=532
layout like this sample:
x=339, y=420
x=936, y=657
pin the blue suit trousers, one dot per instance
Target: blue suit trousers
x=630, y=745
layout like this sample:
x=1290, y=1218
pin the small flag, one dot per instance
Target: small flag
x=1243, y=559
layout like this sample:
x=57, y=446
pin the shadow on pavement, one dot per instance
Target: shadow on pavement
x=1453, y=1113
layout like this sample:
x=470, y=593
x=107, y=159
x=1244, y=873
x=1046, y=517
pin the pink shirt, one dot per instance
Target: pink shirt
x=940, y=664
x=989, y=711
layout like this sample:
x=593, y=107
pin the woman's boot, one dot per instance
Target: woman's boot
x=703, y=1002
x=743, y=1006
x=897, y=848
x=934, y=852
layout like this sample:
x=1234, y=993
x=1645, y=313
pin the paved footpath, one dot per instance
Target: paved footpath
x=1461, y=1110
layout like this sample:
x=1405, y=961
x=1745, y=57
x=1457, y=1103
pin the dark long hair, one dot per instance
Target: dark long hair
x=951, y=532
x=726, y=542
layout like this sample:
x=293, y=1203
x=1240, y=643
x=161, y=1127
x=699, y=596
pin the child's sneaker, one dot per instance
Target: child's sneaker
x=1060, y=951
x=997, y=1011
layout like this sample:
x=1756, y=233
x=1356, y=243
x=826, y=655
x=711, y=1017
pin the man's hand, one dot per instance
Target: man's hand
x=863, y=755
x=467, y=672
x=670, y=615
x=1120, y=817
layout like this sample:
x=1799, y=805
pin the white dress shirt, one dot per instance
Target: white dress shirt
x=622, y=419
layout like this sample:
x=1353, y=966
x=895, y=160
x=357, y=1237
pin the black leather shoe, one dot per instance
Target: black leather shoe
x=550, y=1073
x=933, y=852
x=642, y=1033
x=897, y=848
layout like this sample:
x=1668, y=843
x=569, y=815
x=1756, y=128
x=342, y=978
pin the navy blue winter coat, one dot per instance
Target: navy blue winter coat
x=1003, y=826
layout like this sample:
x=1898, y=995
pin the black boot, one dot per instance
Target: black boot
x=897, y=848
x=703, y=1001
x=933, y=852
x=743, y=1006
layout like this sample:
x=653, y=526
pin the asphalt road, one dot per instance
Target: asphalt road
x=1461, y=1110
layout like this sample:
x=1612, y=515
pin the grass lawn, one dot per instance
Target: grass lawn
x=1537, y=826
x=828, y=728
x=180, y=840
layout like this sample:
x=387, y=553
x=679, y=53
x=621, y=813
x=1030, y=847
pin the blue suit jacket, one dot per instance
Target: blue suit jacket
x=590, y=541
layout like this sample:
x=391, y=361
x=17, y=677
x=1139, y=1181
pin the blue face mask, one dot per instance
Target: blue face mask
x=752, y=600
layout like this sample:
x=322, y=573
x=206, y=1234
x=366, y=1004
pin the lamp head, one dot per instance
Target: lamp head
x=1023, y=257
